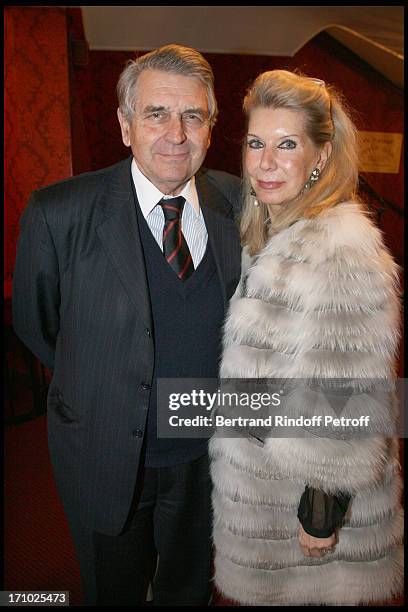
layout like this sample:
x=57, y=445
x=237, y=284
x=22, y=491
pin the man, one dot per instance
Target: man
x=121, y=278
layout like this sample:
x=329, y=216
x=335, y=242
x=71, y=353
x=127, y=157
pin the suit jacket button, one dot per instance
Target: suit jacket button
x=137, y=433
x=145, y=386
x=149, y=333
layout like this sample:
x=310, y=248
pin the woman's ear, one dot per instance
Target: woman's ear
x=325, y=153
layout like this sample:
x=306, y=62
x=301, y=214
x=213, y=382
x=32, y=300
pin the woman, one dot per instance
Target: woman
x=309, y=520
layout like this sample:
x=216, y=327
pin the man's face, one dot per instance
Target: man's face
x=170, y=130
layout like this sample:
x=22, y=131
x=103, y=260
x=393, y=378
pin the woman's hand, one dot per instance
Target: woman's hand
x=315, y=547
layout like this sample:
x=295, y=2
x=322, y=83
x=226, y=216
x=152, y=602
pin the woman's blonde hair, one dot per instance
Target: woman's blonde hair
x=327, y=120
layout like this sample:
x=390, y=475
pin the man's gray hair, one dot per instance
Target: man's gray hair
x=170, y=58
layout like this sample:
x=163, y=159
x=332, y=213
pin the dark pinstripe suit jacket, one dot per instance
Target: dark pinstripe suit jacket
x=81, y=304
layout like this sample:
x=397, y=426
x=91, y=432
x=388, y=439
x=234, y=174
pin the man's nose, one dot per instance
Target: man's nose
x=268, y=159
x=176, y=132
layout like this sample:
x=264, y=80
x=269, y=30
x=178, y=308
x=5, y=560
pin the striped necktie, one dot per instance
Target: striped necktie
x=175, y=247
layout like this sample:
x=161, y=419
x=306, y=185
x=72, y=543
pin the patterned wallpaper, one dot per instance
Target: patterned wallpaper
x=37, y=118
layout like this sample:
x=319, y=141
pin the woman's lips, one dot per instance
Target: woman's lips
x=269, y=184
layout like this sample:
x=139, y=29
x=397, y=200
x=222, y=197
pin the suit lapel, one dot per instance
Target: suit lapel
x=119, y=234
x=222, y=233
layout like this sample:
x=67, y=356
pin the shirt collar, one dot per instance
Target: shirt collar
x=148, y=195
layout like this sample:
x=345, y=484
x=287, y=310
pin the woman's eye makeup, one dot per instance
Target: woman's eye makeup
x=254, y=143
x=288, y=144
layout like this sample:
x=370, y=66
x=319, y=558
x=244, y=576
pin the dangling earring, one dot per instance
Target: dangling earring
x=253, y=194
x=314, y=177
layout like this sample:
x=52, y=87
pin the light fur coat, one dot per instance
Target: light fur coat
x=320, y=300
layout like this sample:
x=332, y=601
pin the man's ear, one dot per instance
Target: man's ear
x=209, y=138
x=125, y=128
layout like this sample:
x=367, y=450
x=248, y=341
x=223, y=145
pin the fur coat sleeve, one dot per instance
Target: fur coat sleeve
x=321, y=301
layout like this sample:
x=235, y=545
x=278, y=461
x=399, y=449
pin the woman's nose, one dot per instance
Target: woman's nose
x=268, y=159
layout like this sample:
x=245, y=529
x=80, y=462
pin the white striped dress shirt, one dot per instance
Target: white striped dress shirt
x=192, y=220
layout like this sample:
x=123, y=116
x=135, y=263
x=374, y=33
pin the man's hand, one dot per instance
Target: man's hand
x=315, y=547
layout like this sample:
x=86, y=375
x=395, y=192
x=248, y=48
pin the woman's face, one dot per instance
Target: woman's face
x=280, y=156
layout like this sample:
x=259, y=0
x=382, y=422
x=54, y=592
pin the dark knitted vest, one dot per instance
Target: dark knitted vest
x=187, y=319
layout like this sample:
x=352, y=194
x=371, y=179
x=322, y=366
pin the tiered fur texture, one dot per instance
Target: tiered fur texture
x=320, y=300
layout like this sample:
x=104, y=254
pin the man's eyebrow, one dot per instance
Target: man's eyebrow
x=201, y=111
x=150, y=108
